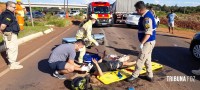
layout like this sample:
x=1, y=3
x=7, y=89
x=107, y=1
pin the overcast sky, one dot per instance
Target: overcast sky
x=161, y=2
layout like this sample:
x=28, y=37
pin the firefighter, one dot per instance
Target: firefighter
x=85, y=33
x=147, y=36
x=20, y=12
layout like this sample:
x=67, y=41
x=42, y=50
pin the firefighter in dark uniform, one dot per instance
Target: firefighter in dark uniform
x=10, y=29
x=147, y=37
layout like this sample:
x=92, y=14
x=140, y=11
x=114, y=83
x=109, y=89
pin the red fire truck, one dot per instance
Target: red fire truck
x=103, y=12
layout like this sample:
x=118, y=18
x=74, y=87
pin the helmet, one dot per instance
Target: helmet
x=18, y=0
x=94, y=16
x=78, y=83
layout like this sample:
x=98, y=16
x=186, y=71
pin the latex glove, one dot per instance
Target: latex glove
x=96, y=44
x=84, y=68
x=141, y=46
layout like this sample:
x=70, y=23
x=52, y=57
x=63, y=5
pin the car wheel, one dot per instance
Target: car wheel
x=196, y=51
x=128, y=25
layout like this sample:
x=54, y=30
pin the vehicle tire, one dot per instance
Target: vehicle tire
x=63, y=42
x=195, y=50
x=128, y=25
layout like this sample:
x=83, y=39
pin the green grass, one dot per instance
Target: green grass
x=28, y=30
x=31, y=30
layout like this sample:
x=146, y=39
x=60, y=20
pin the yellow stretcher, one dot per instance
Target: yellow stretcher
x=114, y=76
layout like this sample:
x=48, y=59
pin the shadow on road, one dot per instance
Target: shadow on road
x=43, y=66
x=124, y=26
x=3, y=52
x=173, y=36
x=178, y=58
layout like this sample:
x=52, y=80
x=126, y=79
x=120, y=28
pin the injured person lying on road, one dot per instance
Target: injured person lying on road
x=100, y=66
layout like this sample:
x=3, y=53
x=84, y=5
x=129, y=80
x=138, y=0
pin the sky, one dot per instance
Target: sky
x=161, y=2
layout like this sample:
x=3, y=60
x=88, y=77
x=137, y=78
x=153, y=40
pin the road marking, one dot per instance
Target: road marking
x=175, y=45
x=34, y=52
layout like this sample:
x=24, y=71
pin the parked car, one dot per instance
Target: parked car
x=195, y=46
x=61, y=14
x=35, y=14
x=133, y=19
x=74, y=13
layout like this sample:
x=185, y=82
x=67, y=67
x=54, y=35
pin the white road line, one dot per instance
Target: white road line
x=34, y=52
x=175, y=45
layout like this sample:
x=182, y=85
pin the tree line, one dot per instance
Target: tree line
x=175, y=8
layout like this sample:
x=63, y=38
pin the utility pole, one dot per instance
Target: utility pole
x=31, y=13
x=64, y=7
x=67, y=6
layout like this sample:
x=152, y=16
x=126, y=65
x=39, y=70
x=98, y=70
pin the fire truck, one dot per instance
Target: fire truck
x=103, y=12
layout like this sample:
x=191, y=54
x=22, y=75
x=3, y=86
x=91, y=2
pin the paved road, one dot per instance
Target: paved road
x=170, y=51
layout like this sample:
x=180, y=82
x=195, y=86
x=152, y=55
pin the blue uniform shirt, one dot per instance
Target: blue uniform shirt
x=147, y=25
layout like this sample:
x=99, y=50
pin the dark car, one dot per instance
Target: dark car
x=35, y=14
x=195, y=46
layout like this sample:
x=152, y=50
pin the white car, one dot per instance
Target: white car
x=133, y=19
x=74, y=13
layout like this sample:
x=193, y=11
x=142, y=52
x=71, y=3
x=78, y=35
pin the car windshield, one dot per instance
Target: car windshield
x=62, y=13
x=103, y=10
x=73, y=11
x=134, y=14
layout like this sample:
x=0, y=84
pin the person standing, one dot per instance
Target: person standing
x=10, y=29
x=61, y=60
x=152, y=11
x=20, y=13
x=147, y=37
x=85, y=33
x=171, y=16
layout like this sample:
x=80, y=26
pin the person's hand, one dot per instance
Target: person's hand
x=141, y=46
x=94, y=61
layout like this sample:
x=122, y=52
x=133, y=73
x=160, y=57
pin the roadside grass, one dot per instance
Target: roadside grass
x=28, y=30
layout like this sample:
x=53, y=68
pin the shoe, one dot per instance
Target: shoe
x=131, y=78
x=196, y=72
x=59, y=76
x=15, y=66
x=150, y=79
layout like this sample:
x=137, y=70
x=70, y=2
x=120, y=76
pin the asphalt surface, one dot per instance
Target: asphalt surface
x=172, y=52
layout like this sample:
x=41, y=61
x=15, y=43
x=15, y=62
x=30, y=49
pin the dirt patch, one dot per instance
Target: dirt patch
x=187, y=35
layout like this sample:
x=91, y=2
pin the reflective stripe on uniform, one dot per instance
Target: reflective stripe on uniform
x=145, y=31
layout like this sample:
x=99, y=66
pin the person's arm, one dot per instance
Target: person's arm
x=149, y=29
x=5, y=22
x=3, y=27
x=100, y=73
